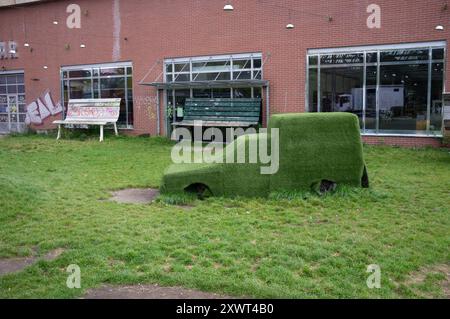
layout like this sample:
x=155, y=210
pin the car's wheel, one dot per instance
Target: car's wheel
x=324, y=186
x=201, y=190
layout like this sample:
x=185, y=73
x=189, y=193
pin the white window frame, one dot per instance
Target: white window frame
x=91, y=68
x=225, y=58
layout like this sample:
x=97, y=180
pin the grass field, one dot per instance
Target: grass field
x=54, y=195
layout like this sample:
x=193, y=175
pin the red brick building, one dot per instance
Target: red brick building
x=383, y=60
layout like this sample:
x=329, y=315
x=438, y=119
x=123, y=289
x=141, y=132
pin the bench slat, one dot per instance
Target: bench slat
x=221, y=112
x=210, y=113
x=82, y=122
x=226, y=109
x=216, y=124
x=230, y=104
x=223, y=119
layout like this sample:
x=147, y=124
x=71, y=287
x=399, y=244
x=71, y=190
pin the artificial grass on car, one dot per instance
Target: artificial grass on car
x=289, y=245
x=313, y=147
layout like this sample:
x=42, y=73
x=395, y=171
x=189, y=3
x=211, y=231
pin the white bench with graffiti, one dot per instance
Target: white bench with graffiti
x=99, y=112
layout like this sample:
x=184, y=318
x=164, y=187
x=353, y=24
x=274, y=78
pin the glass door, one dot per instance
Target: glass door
x=14, y=124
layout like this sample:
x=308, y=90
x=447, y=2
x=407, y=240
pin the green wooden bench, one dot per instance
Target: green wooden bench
x=221, y=112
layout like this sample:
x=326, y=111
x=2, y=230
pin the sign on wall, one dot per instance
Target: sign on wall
x=8, y=50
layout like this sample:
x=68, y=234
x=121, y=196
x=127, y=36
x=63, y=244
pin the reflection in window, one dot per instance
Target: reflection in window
x=211, y=66
x=101, y=82
x=181, y=77
x=437, y=78
x=242, y=93
x=181, y=67
x=345, y=58
x=214, y=68
x=202, y=93
x=391, y=91
x=79, y=73
x=12, y=84
x=210, y=76
x=221, y=93
x=403, y=97
x=242, y=64
x=404, y=55
x=243, y=75
x=371, y=98
x=342, y=90
x=80, y=89
x=312, y=90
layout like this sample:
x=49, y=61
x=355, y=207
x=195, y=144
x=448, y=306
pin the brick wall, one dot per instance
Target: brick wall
x=158, y=29
x=404, y=141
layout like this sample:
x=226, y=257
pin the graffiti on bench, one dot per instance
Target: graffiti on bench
x=92, y=112
x=42, y=108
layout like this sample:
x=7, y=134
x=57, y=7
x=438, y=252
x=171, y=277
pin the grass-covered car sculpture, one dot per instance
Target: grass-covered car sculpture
x=315, y=151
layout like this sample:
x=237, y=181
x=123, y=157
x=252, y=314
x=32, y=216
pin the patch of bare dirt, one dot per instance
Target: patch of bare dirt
x=53, y=254
x=135, y=195
x=419, y=277
x=148, y=292
x=12, y=265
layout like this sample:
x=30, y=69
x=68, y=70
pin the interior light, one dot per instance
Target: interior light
x=228, y=7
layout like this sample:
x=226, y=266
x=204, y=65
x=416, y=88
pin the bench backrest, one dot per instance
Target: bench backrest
x=223, y=110
x=107, y=110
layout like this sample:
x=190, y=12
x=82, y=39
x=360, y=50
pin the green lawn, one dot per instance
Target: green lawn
x=52, y=195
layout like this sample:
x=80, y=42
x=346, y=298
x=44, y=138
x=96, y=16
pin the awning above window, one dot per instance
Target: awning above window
x=208, y=84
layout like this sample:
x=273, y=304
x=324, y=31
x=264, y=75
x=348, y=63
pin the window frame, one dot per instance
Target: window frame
x=365, y=50
x=96, y=77
x=229, y=63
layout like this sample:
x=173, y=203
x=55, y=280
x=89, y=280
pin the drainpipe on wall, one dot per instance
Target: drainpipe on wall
x=158, y=129
x=117, y=25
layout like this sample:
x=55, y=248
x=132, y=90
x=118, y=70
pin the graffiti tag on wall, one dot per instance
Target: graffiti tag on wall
x=42, y=108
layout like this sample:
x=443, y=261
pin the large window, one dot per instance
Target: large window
x=392, y=90
x=214, y=68
x=101, y=81
x=212, y=77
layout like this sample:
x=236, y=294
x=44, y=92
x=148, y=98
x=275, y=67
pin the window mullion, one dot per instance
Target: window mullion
x=377, y=107
x=430, y=74
x=364, y=94
x=318, y=86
